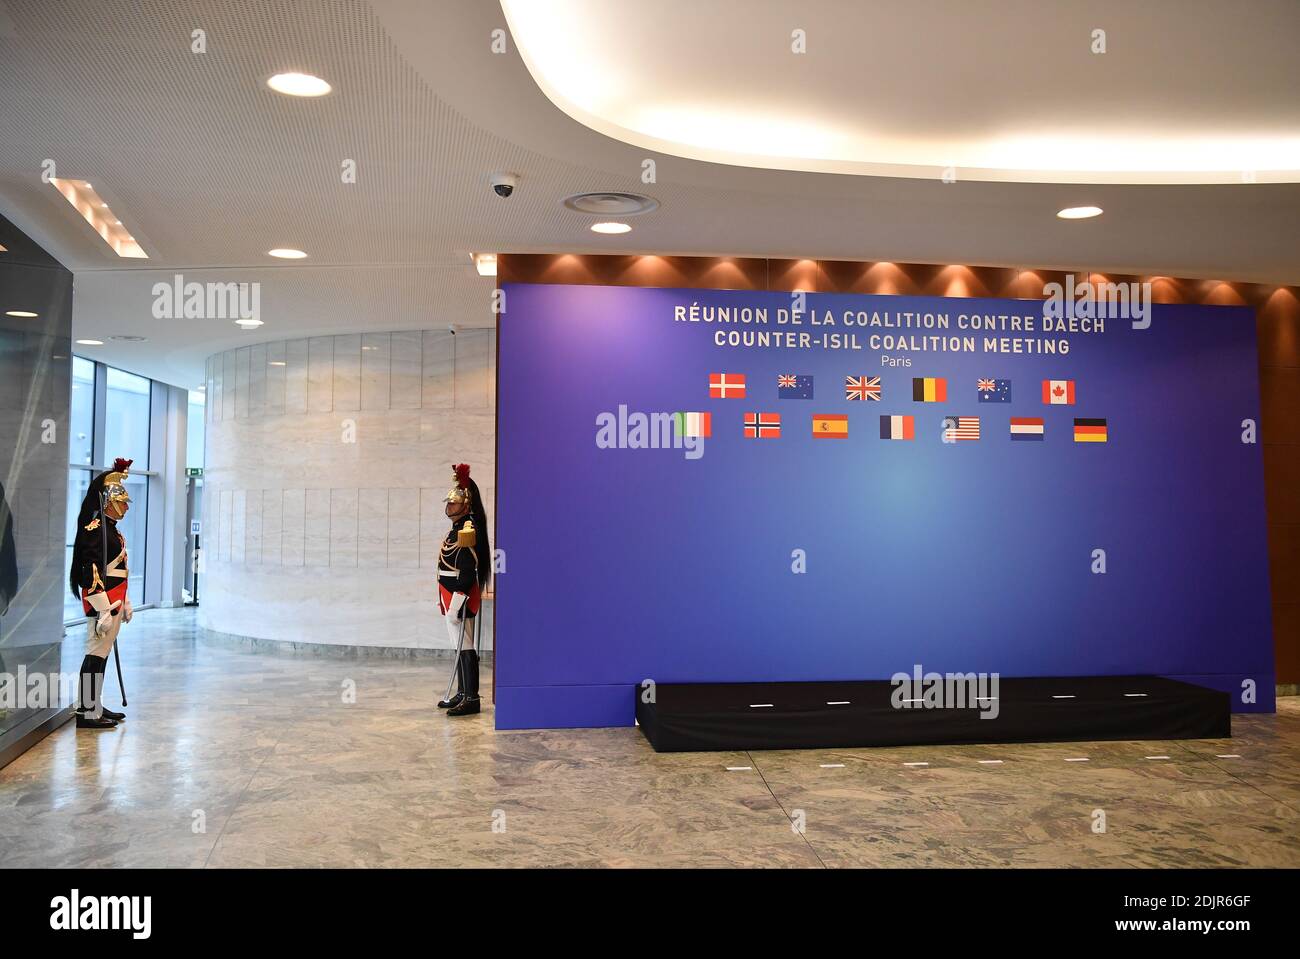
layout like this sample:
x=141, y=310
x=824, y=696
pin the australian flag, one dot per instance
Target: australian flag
x=994, y=391
x=792, y=387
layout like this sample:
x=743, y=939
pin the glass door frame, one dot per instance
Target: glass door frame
x=152, y=546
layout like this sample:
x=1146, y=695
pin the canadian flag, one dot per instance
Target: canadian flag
x=1058, y=392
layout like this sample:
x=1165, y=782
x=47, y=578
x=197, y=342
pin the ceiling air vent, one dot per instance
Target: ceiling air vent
x=611, y=204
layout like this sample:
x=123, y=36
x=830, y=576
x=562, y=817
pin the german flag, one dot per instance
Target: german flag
x=830, y=426
x=929, y=389
x=1089, y=431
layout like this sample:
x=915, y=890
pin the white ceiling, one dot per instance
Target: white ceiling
x=1108, y=91
x=209, y=170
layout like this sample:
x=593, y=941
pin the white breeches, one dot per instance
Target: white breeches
x=453, y=630
x=97, y=645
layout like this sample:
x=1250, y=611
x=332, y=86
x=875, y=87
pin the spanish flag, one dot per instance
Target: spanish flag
x=1089, y=431
x=929, y=389
x=830, y=426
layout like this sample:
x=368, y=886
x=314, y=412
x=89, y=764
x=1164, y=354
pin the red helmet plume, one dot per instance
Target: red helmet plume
x=462, y=475
x=121, y=465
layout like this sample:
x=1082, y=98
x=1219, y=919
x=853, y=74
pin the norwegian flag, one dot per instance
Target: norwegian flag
x=862, y=388
x=726, y=386
x=762, y=426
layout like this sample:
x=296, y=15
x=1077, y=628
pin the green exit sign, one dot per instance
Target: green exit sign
x=194, y=471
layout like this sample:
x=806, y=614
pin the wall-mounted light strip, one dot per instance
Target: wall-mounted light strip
x=102, y=220
x=485, y=263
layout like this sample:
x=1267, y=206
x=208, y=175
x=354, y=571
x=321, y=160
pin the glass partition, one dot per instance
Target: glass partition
x=35, y=440
x=126, y=418
x=81, y=428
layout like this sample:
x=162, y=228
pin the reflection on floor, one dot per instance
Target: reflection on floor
x=239, y=758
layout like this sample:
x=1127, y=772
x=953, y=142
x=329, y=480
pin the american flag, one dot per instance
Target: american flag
x=862, y=388
x=961, y=428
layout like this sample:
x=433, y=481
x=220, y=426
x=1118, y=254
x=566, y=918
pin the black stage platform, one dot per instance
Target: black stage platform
x=722, y=716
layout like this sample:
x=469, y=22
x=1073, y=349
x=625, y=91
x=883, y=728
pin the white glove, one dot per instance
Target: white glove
x=127, y=611
x=456, y=607
x=99, y=603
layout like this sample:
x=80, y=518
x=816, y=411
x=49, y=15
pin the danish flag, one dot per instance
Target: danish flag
x=724, y=386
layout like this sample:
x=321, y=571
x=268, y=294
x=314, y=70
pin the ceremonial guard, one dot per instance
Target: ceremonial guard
x=99, y=579
x=464, y=568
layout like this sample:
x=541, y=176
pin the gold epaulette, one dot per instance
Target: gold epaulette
x=466, y=536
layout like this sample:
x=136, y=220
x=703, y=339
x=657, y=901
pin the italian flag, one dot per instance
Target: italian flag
x=694, y=424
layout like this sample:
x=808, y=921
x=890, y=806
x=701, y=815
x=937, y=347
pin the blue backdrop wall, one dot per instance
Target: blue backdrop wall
x=1120, y=533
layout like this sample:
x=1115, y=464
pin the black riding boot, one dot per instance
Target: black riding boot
x=92, y=687
x=459, y=696
x=469, y=705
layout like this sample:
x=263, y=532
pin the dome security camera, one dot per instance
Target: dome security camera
x=503, y=184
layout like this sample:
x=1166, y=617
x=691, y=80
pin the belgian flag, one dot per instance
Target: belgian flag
x=1089, y=431
x=929, y=389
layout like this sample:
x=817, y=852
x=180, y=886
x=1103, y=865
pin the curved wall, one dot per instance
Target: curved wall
x=326, y=463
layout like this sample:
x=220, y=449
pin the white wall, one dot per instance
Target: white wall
x=326, y=463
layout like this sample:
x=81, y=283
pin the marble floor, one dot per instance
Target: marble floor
x=234, y=757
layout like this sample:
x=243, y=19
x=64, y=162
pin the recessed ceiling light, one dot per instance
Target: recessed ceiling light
x=286, y=254
x=610, y=228
x=485, y=263
x=277, y=363
x=298, y=85
x=249, y=324
x=92, y=208
x=1079, y=212
x=90, y=342
x=23, y=313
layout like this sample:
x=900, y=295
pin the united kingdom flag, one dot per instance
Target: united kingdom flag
x=862, y=388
